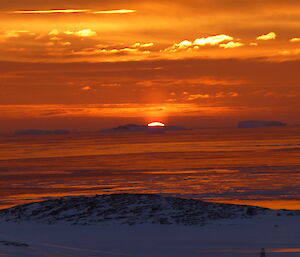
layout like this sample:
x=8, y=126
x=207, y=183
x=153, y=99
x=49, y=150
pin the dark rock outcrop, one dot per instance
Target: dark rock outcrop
x=128, y=209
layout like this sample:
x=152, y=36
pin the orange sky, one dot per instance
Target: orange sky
x=90, y=64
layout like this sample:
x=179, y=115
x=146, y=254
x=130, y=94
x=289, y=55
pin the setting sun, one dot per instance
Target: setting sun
x=156, y=124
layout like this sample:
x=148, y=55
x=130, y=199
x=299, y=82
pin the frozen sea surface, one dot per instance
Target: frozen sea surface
x=244, y=166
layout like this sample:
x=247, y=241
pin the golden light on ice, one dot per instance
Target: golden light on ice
x=156, y=124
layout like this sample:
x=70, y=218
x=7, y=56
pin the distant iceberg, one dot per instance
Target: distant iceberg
x=140, y=128
x=126, y=128
x=260, y=124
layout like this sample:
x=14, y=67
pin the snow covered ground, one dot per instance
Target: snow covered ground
x=233, y=237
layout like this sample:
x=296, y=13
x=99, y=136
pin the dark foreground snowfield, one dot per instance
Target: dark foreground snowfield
x=146, y=226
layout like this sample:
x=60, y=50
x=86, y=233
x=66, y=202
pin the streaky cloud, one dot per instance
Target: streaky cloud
x=68, y=11
x=121, y=11
x=49, y=11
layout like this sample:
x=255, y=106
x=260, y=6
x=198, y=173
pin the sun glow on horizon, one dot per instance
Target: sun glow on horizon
x=156, y=124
